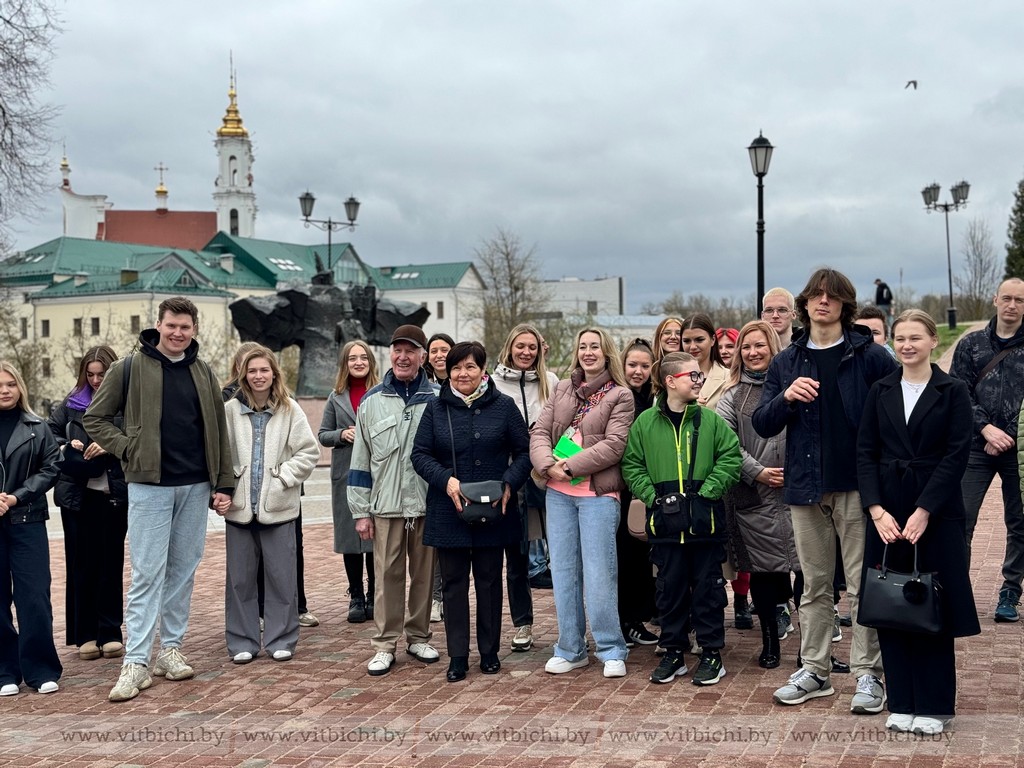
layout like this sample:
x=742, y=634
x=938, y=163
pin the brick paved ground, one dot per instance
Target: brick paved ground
x=322, y=709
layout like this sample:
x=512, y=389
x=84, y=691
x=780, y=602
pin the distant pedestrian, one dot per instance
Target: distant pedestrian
x=883, y=299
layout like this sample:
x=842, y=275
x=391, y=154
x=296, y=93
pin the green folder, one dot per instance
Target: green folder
x=565, y=448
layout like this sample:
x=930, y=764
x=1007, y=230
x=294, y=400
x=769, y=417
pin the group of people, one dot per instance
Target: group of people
x=755, y=454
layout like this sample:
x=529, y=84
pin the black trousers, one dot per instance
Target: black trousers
x=636, y=577
x=767, y=590
x=517, y=579
x=94, y=545
x=690, y=585
x=920, y=673
x=456, y=563
x=26, y=652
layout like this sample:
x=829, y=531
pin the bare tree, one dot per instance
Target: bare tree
x=726, y=312
x=27, y=29
x=977, y=283
x=515, y=293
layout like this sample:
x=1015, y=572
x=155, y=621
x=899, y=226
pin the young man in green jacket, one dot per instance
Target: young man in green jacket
x=680, y=458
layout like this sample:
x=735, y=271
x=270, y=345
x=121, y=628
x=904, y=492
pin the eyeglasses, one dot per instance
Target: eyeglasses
x=697, y=377
x=775, y=311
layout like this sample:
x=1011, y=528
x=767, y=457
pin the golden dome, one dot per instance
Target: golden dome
x=232, y=119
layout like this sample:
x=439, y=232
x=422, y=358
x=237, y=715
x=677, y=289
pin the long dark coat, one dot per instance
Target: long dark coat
x=491, y=443
x=339, y=416
x=904, y=466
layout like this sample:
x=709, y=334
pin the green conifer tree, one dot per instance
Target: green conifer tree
x=1015, y=235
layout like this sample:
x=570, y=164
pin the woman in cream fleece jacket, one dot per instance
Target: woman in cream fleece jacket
x=273, y=451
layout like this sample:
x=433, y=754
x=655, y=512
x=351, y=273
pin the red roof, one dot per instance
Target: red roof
x=189, y=230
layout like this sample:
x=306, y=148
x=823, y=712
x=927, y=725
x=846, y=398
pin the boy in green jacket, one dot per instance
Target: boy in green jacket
x=680, y=458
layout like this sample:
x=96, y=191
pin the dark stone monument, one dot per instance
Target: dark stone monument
x=320, y=318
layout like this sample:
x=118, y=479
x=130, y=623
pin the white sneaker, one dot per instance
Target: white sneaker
x=381, y=663
x=11, y=689
x=51, y=687
x=282, y=655
x=557, y=665
x=615, y=668
x=424, y=652
x=901, y=723
x=436, y=613
x=242, y=658
x=926, y=726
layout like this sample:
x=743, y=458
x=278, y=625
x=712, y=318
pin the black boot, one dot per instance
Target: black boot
x=457, y=668
x=769, y=658
x=369, y=606
x=357, y=609
x=741, y=611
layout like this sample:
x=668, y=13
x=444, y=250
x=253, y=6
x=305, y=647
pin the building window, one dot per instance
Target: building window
x=45, y=365
x=591, y=307
x=94, y=326
x=76, y=327
x=24, y=327
x=136, y=324
x=44, y=328
x=234, y=221
x=440, y=310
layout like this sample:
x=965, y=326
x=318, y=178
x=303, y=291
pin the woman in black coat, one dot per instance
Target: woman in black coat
x=93, y=498
x=912, y=451
x=490, y=443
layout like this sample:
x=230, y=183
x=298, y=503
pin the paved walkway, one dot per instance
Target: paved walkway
x=322, y=709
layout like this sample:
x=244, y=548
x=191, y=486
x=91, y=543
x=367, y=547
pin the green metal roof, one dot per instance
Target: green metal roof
x=103, y=261
x=169, y=281
x=412, y=276
x=280, y=262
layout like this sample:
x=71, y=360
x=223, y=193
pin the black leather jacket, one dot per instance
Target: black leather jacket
x=30, y=469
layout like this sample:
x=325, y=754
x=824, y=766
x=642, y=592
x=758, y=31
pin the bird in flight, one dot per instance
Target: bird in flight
x=910, y=83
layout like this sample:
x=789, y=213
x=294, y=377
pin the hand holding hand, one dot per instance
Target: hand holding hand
x=885, y=524
x=916, y=525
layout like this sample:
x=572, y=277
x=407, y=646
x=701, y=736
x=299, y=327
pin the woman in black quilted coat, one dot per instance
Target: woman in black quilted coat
x=490, y=442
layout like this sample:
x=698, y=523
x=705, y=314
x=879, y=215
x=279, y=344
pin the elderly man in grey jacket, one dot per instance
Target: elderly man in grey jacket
x=388, y=501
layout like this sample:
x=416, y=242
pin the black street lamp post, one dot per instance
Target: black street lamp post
x=328, y=225
x=760, y=150
x=931, y=203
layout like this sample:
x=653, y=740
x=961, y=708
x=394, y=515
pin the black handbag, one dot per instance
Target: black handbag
x=480, y=495
x=908, y=602
x=688, y=513
x=75, y=465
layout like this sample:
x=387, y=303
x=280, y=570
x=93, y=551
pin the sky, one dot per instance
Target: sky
x=610, y=136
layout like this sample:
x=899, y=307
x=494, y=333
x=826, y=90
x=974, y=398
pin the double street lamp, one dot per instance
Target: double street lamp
x=760, y=150
x=328, y=225
x=931, y=203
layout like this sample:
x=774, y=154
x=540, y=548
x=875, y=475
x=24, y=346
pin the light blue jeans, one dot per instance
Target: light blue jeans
x=166, y=537
x=584, y=569
x=538, y=557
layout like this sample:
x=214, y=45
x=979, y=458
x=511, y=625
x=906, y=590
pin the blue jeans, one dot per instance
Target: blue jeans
x=584, y=570
x=166, y=537
x=538, y=557
x=981, y=468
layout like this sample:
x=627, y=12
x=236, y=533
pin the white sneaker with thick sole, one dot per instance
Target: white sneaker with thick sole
x=50, y=686
x=557, y=665
x=436, y=613
x=523, y=639
x=282, y=655
x=927, y=726
x=242, y=658
x=901, y=723
x=11, y=689
x=615, y=668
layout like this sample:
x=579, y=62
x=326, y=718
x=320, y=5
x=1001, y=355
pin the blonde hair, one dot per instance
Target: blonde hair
x=505, y=356
x=8, y=367
x=278, y=399
x=658, y=351
x=372, y=379
x=774, y=346
x=917, y=316
x=612, y=361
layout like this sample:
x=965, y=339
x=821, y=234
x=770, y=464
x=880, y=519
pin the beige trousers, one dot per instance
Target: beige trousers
x=398, y=542
x=815, y=529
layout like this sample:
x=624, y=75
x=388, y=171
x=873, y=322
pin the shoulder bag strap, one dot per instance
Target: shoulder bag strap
x=448, y=413
x=991, y=365
x=693, y=447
